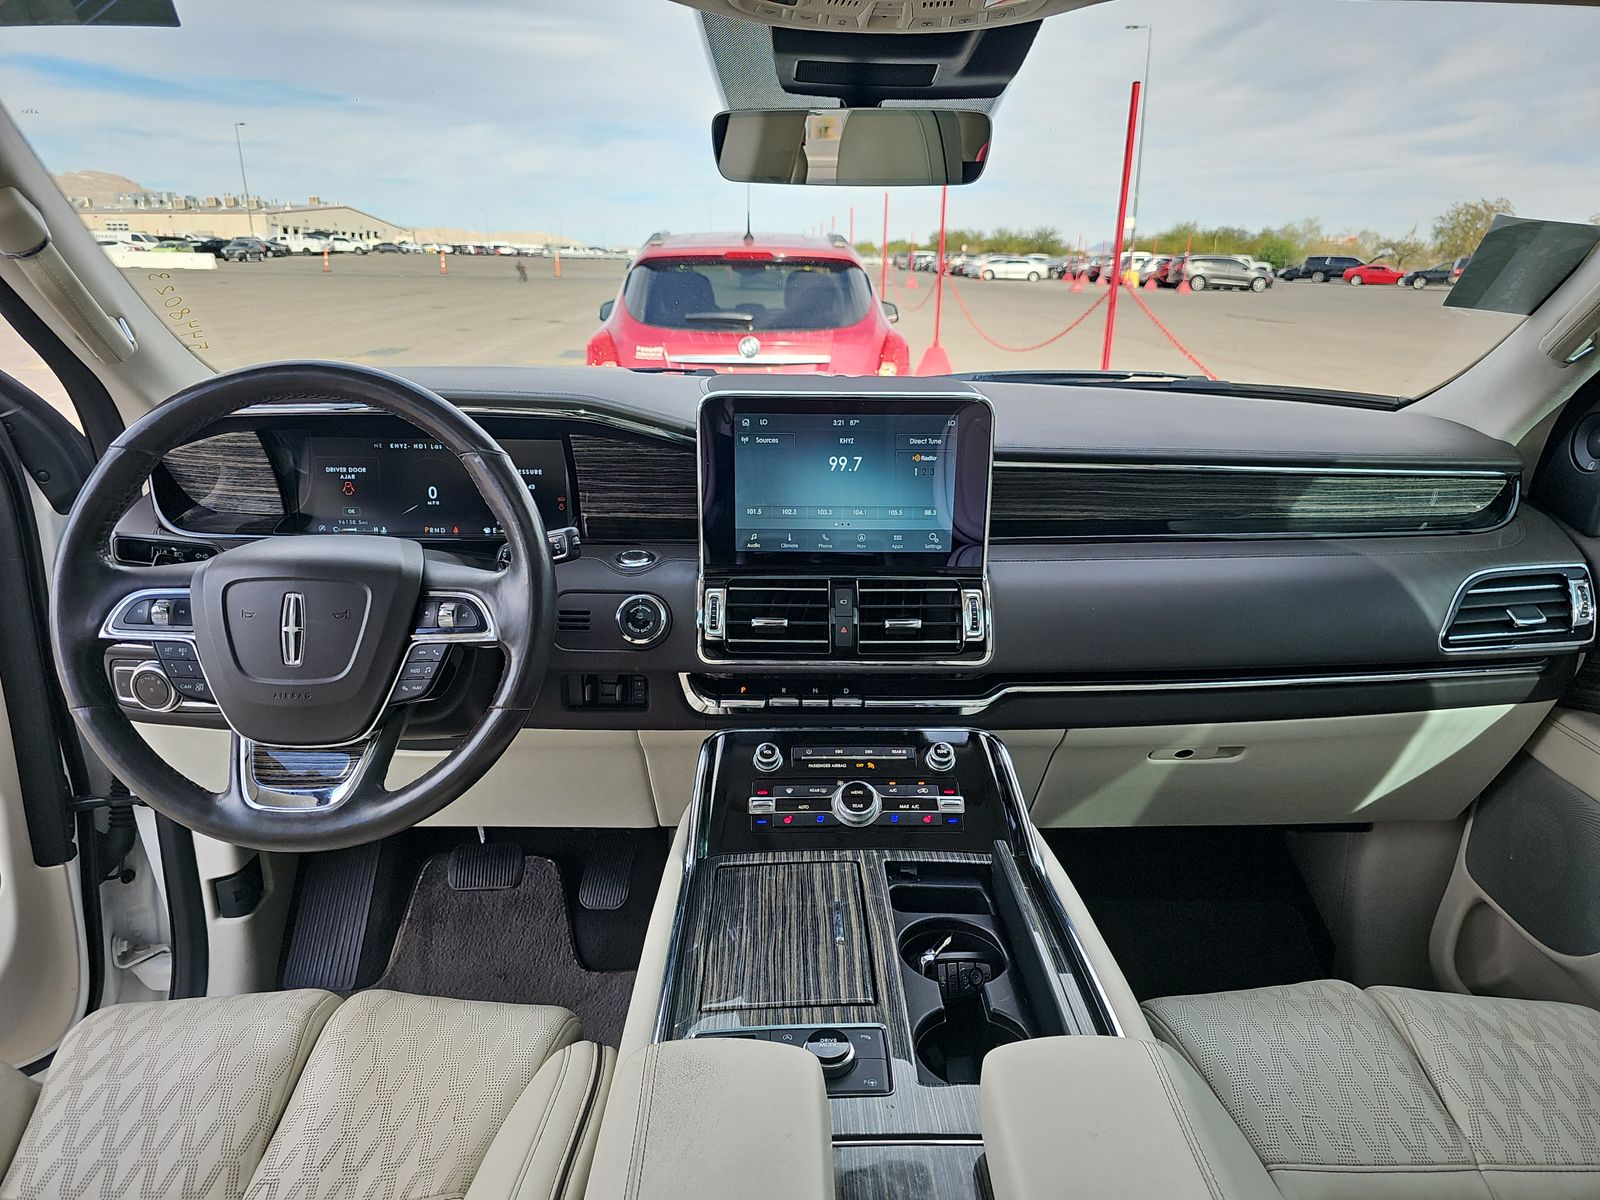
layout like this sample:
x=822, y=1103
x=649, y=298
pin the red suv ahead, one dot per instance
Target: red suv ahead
x=779, y=305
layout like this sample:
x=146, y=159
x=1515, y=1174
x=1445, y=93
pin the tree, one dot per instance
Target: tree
x=1407, y=250
x=1460, y=228
x=1276, y=249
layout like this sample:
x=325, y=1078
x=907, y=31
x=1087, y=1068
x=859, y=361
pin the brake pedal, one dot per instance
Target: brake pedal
x=485, y=867
x=606, y=876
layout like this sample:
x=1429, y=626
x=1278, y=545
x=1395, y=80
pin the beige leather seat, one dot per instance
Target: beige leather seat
x=297, y=1094
x=1399, y=1093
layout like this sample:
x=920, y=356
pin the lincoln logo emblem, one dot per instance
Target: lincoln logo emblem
x=292, y=629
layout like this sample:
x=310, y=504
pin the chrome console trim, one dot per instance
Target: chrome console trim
x=968, y=706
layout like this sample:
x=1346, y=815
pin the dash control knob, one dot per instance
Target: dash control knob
x=835, y=1052
x=768, y=757
x=857, y=803
x=152, y=690
x=941, y=756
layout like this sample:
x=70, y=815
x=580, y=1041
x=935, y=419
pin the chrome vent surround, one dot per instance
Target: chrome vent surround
x=1525, y=609
x=909, y=617
x=781, y=617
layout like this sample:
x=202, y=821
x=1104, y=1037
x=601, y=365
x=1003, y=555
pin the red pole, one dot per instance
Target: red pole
x=1122, y=217
x=883, y=271
x=934, y=360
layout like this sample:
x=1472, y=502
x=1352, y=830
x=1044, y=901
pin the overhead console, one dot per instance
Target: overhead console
x=844, y=530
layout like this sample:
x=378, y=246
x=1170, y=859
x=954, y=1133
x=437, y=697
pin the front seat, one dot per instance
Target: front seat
x=297, y=1094
x=1398, y=1093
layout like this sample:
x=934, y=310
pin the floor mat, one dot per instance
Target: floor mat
x=513, y=945
x=1197, y=910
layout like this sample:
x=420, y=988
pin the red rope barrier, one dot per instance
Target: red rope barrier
x=911, y=308
x=1078, y=320
x=1182, y=349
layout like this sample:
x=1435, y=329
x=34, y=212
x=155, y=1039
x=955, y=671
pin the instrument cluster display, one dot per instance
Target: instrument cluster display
x=414, y=487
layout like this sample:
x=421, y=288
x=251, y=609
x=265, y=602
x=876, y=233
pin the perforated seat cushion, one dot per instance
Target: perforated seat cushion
x=173, y=1100
x=1401, y=1093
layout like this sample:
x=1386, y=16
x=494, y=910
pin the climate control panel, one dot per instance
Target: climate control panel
x=804, y=788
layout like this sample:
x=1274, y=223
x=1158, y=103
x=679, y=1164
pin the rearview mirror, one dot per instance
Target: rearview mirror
x=851, y=147
x=605, y=309
x=891, y=310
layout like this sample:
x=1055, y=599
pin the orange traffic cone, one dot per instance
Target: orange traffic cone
x=1150, y=284
x=1077, y=282
x=911, y=281
x=1183, y=286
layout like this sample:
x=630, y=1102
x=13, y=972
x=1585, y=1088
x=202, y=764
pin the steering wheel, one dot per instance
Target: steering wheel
x=307, y=643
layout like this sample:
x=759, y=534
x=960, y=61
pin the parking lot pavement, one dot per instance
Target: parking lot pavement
x=396, y=310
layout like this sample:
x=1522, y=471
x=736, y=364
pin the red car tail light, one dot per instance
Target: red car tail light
x=602, y=350
x=895, y=358
x=749, y=255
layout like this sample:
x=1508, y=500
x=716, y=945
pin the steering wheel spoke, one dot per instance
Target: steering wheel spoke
x=279, y=779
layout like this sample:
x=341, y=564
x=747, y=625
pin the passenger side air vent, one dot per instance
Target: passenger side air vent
x=1538, y=609
x=573, y=620
x=910, y=617
x=777, y=617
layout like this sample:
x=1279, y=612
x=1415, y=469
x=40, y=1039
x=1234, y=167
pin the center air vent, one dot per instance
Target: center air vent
x=778, y=617
x=1543, y=609
x=573, y=620
x=909, y=616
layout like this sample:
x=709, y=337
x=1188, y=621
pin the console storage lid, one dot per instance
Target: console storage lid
x=715, y=1117
x=1119, y=1117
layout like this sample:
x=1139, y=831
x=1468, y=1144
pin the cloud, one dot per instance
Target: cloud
x=593, y=119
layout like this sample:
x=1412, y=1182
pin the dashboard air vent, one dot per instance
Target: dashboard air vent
x=909, y=616
x=573, y=620
x=1547, y=608
x=777, y=617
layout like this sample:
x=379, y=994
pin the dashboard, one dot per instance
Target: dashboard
x=1019, y=556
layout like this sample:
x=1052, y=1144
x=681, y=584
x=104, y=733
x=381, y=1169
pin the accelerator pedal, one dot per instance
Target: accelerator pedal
x=485, y=867
x=607, y=874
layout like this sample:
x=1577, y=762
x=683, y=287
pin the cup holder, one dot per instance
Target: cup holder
x=952, y=1050
x=957, y=942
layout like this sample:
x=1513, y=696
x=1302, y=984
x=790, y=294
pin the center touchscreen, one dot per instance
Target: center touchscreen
x=878, y=483
x=859, y=483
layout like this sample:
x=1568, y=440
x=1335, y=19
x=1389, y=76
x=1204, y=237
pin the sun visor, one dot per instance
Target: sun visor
x=1520, y=263
x=160, y=13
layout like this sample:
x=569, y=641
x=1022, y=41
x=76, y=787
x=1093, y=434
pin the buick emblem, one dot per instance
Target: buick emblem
x=749, y=347
x=292, y=629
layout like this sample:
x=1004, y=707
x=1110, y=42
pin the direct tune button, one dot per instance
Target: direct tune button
x=941, y=756
x=857, y=803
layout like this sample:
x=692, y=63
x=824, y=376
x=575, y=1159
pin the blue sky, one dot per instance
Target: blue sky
x=592, y=120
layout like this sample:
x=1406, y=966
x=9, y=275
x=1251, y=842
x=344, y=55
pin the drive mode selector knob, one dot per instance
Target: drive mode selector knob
x=941, y=756
x=768, y=757
x=857, y=803
x=834, y=1051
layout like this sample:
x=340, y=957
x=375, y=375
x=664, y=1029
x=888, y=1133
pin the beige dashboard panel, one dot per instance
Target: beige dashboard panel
x=1390, y=766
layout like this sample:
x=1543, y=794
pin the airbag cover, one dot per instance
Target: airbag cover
x=300, y=637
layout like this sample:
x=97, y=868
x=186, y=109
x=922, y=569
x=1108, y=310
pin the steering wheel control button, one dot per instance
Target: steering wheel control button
x=941, y=757
x=857, y=803
x=138, y=613
x=643, y=619
x=768, y=757
x=635, y=560
x=460, y=616
x=194, y=689
x=152, y=690
x=171, y=652
x=173, y=612
x=833, y=1050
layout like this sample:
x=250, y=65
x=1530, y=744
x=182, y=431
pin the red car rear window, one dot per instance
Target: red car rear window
x=711, y=292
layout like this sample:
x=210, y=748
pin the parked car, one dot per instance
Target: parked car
x=340, y=244
x=926, y=260
x=278, y=247
x=1373, y=273
x=1322, y=267
x=1153, y=268
x=780, y=305
x=246, y=249
x=305, y=243
x=1290, y=273
x=387, y=248
x=1221, y=271
x=1445, y=273
x=213, y=246
x=1003, y=266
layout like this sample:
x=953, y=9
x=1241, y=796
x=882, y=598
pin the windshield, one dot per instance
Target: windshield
x=473, y=186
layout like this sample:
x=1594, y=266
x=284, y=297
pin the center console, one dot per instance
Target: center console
x=877, y=898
